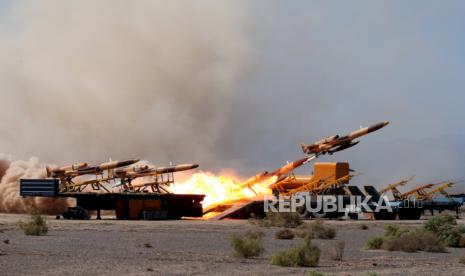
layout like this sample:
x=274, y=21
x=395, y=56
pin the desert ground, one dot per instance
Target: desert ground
x=194, y=247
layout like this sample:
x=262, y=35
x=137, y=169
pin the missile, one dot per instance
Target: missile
x=62, y=170
x=366, y=130
x=417, y=189
x=290, y=166
x=278, y=173
x=72, y=167
x=337, y=143
x=177, y=168
x=154, y=171
x=140, y=168
x=106, y=166
x=133, y=169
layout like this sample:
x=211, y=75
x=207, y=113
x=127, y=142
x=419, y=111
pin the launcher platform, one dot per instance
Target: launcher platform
x=133, y=205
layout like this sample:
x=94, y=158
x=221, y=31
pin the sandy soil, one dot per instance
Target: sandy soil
x=194, y=247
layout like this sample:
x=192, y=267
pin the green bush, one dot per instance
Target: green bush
x=435, y=223
x=305, y=254
x=393, y=231
x=374, y=243
x=36, y=226
x=284, y=234
x=248, y=245
x=446, y=228
x=461, y=228
x=317, y=230
x=450, y=235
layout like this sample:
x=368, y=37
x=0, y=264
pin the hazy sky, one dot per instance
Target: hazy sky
x=318, y=68
x=335, y=66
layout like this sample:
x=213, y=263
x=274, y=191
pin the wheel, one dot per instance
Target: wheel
x=353, y=216
x=385, y=215
x=410, y=214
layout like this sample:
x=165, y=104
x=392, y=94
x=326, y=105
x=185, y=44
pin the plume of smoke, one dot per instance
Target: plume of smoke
x=11, y=202
x=4, y=164
x=92, y=80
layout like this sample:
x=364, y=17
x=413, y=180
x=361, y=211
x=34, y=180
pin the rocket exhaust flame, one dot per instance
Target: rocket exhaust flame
x=221, y=188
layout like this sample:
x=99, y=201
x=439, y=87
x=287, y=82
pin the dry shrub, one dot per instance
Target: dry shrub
x=374, y=243
x=316, y=230
x=255, y=234
x=462, y=241
x=314, y=273
x=283, y=219
x=284, y=234
x=363, y=226
x=398, y=239
x=278, y=219
x=305, y=254
x=247, y=245
x=461, y=228
x=36, y=226
x=462, y=259
x=337, y=250
x=394, y=231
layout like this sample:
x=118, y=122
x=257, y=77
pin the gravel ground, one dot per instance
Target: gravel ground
x=195, y=247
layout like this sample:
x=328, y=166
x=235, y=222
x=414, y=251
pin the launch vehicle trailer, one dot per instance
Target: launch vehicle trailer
x=131, y=205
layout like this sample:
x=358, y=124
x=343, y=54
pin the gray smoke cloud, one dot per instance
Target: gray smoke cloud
x=93, y=80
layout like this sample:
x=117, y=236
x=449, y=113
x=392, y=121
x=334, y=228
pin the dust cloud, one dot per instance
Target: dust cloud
x=11, y=202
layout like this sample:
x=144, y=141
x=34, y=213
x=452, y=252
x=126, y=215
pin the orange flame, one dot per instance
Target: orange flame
x=220, y=188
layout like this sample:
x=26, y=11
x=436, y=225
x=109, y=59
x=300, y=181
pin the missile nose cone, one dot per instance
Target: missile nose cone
x=377, y=126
